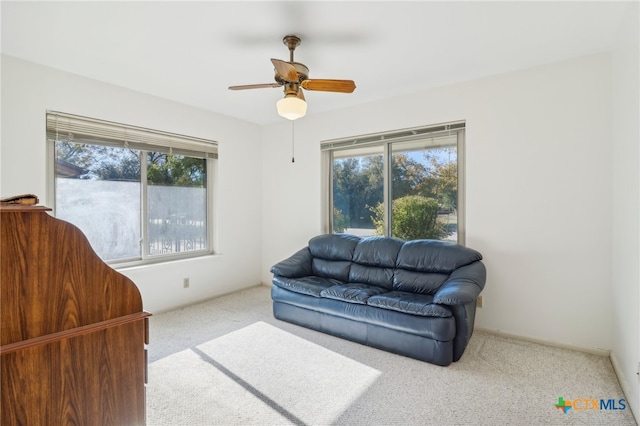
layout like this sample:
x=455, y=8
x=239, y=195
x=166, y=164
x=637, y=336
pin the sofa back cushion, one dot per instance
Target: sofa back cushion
x=374, y=260
x=435, y=256
x=418, y=266
x=423, y=265
x=418, y=282
x=332, y=254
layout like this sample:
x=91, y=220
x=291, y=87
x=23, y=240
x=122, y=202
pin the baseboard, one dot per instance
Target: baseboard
x=631, y=398
x=205, y=300
x=594, y=351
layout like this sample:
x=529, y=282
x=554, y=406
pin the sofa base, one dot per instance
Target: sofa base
x=395, y=341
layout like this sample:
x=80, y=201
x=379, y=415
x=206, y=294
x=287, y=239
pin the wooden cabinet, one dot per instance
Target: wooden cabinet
x=72, y=329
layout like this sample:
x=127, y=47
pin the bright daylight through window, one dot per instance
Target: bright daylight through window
x=138, y=195
x=405, y=184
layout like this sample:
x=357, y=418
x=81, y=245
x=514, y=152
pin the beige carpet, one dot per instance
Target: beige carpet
x=229, y=362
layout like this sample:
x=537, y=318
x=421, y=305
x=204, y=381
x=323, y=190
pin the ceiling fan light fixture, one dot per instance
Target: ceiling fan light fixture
x=291, y=107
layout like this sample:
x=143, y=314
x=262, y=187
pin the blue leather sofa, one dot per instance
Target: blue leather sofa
x=415, y=298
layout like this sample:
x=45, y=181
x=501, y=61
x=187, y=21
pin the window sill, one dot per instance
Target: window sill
x=126, y=266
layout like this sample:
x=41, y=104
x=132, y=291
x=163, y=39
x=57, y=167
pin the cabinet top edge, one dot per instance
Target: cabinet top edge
x=22, y=208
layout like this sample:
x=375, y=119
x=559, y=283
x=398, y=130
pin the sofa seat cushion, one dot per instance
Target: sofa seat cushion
x=324, y=310
x=409, y=303
x=311, y=285
x=351, y=293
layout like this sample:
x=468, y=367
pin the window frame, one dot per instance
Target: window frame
x=177, y=144
x=386, y=140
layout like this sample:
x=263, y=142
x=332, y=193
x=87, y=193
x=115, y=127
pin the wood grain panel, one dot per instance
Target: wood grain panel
x=52, y=277
x=73, y=332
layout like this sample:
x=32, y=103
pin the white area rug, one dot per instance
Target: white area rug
x=260, y=374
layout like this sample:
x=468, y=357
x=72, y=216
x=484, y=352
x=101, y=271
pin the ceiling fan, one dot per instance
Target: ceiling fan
x=294, y=76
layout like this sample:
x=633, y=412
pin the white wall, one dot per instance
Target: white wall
x=626, y=207
x=538, y=185
x=28, y=90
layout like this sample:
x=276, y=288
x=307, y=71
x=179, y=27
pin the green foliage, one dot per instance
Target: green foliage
x=123, y=164
x=175, y=170
x=101, y=162
x=443, y=177
x=358, y=183
x=408, y=176
x=340, y=222
x=414, y=217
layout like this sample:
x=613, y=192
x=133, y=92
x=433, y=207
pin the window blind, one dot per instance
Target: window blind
x=418, y=133
x=78, y=129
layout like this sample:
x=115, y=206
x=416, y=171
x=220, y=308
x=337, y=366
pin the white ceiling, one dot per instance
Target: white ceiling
x=191, y=52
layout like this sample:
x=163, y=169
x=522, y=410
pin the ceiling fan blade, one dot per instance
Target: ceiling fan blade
x=342, y=86
x=254, y=86
x=285, y=70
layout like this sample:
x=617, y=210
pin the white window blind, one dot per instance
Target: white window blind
x=376, y=139
x=78, y=129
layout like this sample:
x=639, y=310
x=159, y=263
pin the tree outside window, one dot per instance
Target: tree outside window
x=422, y=187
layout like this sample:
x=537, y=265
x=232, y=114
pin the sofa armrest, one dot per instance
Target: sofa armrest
x=463, y=285
x=298, y=265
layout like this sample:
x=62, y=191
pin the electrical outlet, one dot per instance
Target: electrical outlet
x=479, y=302
x=185, y=283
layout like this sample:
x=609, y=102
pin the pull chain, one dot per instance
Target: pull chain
x=293, y=159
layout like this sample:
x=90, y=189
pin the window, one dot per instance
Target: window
x=139, y=195
x=405, y=184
